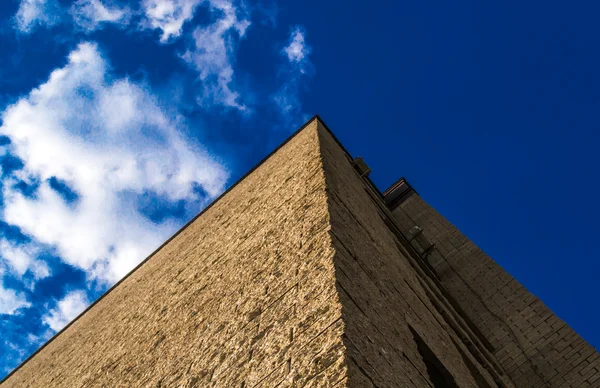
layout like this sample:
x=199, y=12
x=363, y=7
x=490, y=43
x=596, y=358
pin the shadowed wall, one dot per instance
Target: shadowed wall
x=534, y=346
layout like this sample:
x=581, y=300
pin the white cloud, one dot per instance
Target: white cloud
x=297, y=50
x=67, y=309
x=22, y=258
x=214, y=44
x=36, y=12
x=10, y=300
x=112, y=144
x=212, y=55
x=293, y=76
x=168, y=15
x=90, y=14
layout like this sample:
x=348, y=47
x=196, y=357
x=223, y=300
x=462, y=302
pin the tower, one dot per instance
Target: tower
x=304, y=275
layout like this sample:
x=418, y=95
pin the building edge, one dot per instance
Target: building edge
x=177, y=233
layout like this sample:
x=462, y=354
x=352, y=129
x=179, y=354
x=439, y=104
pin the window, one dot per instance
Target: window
x=438, y=374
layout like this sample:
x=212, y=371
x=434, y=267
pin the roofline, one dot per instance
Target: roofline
x=315, y=117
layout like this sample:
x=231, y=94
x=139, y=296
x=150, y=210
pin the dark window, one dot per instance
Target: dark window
x=438, y=374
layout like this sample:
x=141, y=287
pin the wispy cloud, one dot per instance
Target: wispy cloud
x=11, y=300
x=22, y=258
x=66, y=310
x=91, y=14
x=88, y=15
x=93, y=149
x=168, y=16
x=293, y=74
x=33, y=13
x=213, y=54
x=297, y=49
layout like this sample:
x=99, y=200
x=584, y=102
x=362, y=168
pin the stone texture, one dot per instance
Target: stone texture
x=244, y=296
x=534, y=346
x=384, y=297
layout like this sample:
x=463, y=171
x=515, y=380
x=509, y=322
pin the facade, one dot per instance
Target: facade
x=303, y=274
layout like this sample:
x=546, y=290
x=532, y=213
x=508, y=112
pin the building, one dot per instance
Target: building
x=304, y=275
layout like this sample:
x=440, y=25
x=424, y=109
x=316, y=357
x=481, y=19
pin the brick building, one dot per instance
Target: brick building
x=303, y=274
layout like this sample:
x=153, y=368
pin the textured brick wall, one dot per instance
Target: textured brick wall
x=534, y=346
x=383, y=294
x=243, y=297
x=298, y=277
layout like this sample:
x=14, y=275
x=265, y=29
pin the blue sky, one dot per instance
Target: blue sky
x=120, y=120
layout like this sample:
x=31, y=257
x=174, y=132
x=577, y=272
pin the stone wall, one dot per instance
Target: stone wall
x=244, y=296
x=386, y=301
x=534, y=346
x=300, y=276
